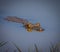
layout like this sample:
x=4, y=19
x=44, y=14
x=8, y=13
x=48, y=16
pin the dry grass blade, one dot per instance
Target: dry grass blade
x=2, y=44
x=19, y=50
x=36, y=48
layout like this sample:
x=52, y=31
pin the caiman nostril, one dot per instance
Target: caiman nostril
x=41, y=29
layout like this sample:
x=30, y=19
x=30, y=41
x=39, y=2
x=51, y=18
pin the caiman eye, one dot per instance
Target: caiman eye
x=28, y=26
x=38, y=24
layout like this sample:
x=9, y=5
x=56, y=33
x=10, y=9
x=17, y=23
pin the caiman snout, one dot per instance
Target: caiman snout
x=41, y=29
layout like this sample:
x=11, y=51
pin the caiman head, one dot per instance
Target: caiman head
x=38, y=27
x=30, y=27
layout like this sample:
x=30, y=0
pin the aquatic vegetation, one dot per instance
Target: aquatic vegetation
x=36, y=48
x=19, y=50
x=2, y=43
x=52, y=48
x=55, y=48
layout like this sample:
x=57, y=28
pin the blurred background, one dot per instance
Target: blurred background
x=46, y=12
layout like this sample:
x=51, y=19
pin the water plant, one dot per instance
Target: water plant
x=55, y=48
x=2, y=43
x=19, y=50
x=52, y=48
x=36, y=48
